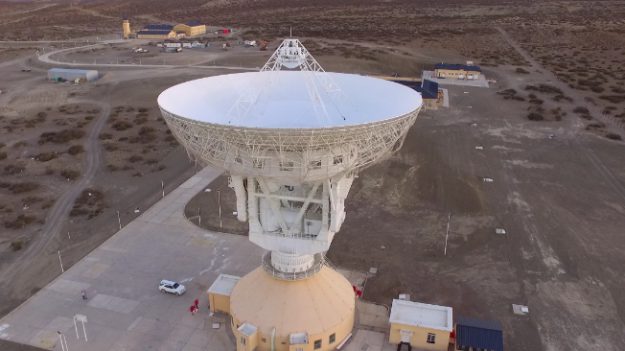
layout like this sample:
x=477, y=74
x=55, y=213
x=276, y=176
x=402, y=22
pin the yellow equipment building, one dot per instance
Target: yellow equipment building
x=190, y=29
x=220, y=291
x=457, y=71
x=420, y=325
x=126, y=29
x=317, y=316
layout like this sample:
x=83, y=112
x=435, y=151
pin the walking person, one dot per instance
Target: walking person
x=83, y=293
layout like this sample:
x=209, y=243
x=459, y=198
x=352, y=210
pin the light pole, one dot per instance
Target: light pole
x=219, y=205
x=119, y=220
x=61, y=262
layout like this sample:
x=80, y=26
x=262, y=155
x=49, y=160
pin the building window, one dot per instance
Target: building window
x=338, y=159
x=263, y=340
x=317, y=344
x=332, y=338
x=259, y=164
x=287, y=166
x=431, y=338
x=314, y=164
x=242, y=341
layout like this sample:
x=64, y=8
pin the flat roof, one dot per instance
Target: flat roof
x=457, y=66
x=288, y=99
x=71, y=70
x=421, y=315
x=224, y=284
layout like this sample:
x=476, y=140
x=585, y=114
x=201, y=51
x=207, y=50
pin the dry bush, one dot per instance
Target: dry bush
x=75, y=149
x=106, y=136
x=23, y=187
x=615, y=99
x=521, y=70
x=70, y=174
x=90, y=203
x=61, y=137
x=19, y=222
x=535, y=116
x=16, y=245
x=121, y=126
x=613, y=136
x=13, y=169
x=3, y=155
x=135, y=158
x=46, y=156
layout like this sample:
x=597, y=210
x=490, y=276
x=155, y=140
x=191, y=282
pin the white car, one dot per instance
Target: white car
x=171, y=287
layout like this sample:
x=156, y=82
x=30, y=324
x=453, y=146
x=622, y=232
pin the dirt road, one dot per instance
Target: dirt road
x=63, y=205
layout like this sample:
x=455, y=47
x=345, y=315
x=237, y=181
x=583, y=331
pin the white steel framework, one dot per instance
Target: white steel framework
x=291, y=184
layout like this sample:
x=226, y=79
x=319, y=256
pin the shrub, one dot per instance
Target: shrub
x=121, y=125
x=3, y=155
x=533, y=116
x=75, y=149
x=135, y=158
x=581, y=110
x=106, y=136
x=46, y=156
x=61, y=137
x=24, y=187
x=16, y=245
x=613, y=136
x=19, y=222
x=70, y=174
x=521, y=70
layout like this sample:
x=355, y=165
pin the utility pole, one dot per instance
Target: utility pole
x=119, y=220
x=61, y=262
x=219, y=204
x=447, y=233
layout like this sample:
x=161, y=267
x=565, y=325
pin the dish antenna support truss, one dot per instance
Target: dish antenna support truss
x=291, y=54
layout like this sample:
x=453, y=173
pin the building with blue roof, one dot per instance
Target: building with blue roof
x=475, y=334
x=156, y=31
x=457, y=71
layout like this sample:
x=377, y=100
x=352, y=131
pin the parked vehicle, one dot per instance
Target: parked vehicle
x=172, y=287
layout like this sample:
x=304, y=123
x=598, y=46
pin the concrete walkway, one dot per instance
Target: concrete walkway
x=125, y=310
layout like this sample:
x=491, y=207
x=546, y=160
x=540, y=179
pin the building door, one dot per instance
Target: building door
x=405, y=336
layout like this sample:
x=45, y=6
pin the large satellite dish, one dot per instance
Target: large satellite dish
x=292, y=142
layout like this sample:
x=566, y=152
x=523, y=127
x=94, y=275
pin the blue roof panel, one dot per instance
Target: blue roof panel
x=457, y=66
x=153, y=26
x=193, y=23
x=429, y=89
x=479, y=334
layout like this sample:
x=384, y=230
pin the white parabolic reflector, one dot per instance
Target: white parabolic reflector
x=289, y=100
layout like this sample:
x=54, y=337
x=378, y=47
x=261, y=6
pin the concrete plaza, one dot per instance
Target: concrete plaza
x=125, y=310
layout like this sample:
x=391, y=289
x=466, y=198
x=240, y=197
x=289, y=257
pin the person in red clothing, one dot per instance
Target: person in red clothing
x=192, y=309
x=196, y=303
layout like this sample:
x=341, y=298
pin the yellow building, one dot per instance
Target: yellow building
x=126, y=29
x=315, y=313
x=457, y=71
x=191, y=29
x=219, y=293
x=422, y=326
